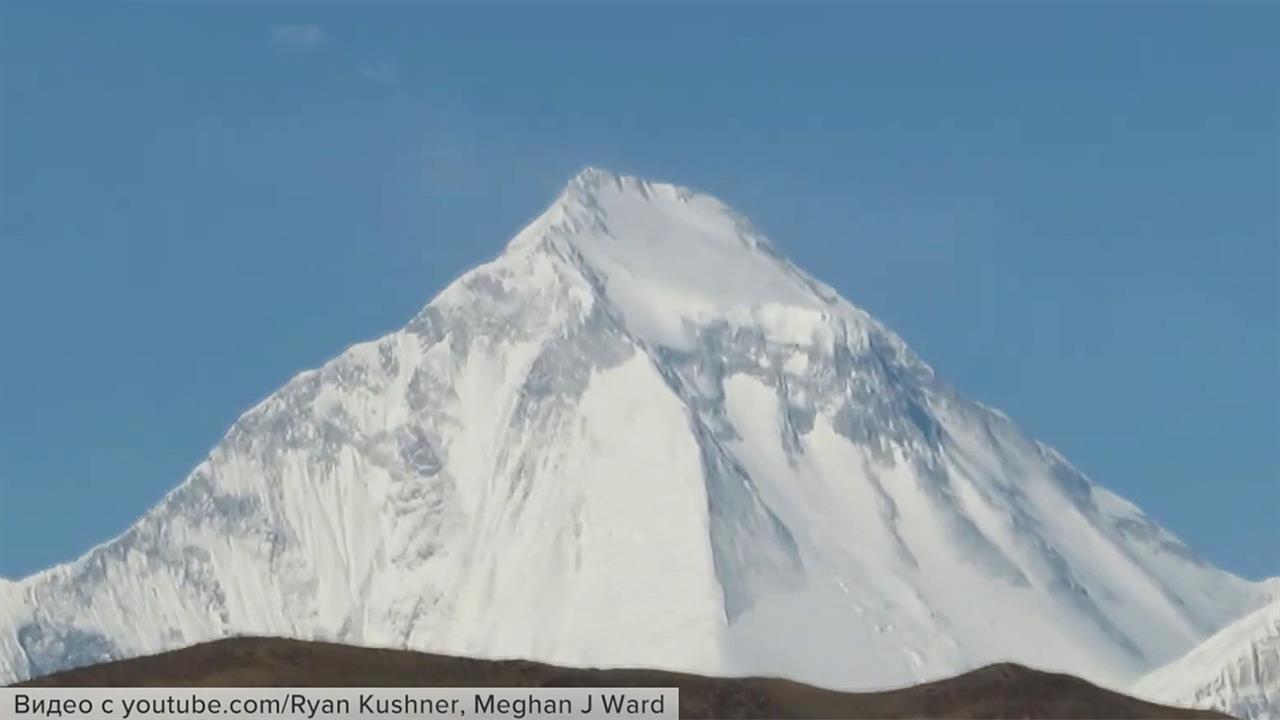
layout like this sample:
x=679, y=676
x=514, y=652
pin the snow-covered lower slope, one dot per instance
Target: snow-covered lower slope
x=1237, y=670
x=638, y=437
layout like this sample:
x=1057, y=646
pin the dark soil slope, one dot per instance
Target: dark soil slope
x=997, y=691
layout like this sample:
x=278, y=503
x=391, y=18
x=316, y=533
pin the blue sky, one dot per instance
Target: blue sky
x=1069, y=210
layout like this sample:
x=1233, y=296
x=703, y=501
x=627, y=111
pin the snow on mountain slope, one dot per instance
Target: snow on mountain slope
x=638, y=437
x=1236, y=671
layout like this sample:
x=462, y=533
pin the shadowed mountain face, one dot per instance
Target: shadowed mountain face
x=996, y=691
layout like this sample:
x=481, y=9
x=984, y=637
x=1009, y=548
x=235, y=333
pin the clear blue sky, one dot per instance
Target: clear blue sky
x=1070, y=210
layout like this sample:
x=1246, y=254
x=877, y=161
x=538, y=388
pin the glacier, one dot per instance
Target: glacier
x=1236, y=671
x=639, y=436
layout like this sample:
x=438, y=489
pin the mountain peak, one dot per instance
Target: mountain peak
x=593, y=188
x=592, y=178
x=670, y=258
x=639, y=437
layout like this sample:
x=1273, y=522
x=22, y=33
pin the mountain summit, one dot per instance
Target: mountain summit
x=638, y=437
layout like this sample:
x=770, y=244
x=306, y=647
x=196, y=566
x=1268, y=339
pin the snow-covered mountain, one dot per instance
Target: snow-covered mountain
x=639, y=436
x=1237, y=670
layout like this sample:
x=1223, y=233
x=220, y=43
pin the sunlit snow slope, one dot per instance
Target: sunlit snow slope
x=640, y=437
x=1237, y=670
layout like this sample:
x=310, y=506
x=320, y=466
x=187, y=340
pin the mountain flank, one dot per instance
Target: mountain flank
x=639, y=437
x=1237, y=670
x=997, y=691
